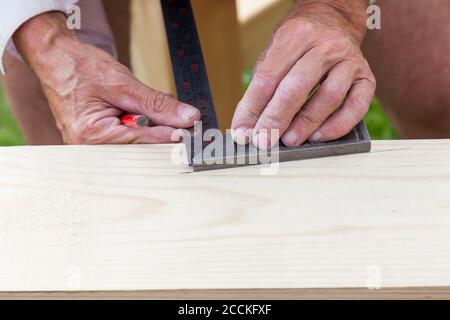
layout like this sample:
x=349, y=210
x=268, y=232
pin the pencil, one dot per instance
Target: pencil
x=135, y=120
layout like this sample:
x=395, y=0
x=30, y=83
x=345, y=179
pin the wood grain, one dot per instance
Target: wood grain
x=436, y=293
x=126, y=219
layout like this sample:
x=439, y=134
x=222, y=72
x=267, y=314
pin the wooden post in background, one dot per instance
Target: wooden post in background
x=258, y=20
x=149, y=50
x=219, y=32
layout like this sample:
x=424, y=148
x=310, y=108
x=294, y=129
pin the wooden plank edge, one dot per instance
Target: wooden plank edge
x=414, y=293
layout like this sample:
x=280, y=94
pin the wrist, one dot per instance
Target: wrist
x=44, y=37
x=350, y=14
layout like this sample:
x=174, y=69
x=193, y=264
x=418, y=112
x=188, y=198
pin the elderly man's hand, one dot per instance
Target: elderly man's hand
x=88, y=90
x=318, y=43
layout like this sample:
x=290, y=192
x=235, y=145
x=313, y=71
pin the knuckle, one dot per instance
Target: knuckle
x=249, y=112
x=335, y=46
x=327, y=49
x=295, y=27
x=301, y=27
x=364, y=62
x=336, y=38
x=306, y=26
x=334, y=91
x=309, y=117
x=275, y=121
x=294, y=84
x=157, y=101
x=263, y=81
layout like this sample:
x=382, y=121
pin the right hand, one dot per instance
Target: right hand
x=317, y=43
x=88, y=90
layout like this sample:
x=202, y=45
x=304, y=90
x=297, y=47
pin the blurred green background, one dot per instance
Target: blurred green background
x=10, y=135
x=9, y=131
x=379, y=126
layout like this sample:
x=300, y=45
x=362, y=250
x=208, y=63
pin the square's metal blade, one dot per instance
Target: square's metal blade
x=357, y=141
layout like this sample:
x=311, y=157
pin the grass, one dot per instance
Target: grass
x=379, y=125
x=10, y=134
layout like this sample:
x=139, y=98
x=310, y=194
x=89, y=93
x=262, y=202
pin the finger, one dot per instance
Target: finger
x=147, y=135
x=291, y=94
x=327, y=99
x=352, y=112
x=268, y=74
x=162, y=109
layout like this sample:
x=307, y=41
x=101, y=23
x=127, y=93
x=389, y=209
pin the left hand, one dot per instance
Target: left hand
x=318, y=43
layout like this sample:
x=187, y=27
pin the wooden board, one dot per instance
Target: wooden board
x=438, y=293
x=125, y=221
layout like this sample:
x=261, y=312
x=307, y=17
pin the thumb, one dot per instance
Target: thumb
x=163, y=109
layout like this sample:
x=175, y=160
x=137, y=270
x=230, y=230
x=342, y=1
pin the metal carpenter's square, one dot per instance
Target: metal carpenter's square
x=192, y=86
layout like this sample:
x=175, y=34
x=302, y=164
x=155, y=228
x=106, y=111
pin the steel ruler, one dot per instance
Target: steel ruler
x=192, y=86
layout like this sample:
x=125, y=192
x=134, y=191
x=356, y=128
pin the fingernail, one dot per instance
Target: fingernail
x=316, y=137
x=186, y=112
x=290, y=139
x=261, y=140
x=240, y=135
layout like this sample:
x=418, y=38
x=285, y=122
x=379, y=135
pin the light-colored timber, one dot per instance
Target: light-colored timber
x=125, y=221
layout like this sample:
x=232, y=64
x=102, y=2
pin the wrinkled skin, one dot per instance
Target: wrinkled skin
x=318, y=43
x=88, y=89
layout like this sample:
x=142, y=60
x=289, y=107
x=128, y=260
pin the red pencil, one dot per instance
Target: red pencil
x=135, y=120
